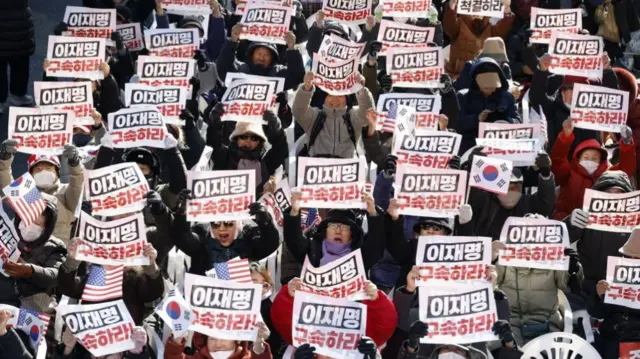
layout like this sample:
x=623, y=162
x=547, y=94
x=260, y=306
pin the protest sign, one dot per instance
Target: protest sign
x=534, y=243
x=509, y=131
x=158, y=333
x=612, y=212
x=575, y=54
x=72, y=96
x=629, y=350
x=490, y=174
x=169, y=100
x=266, y=22
x=406, y=8
x=137, y=126
x=431, y=149
x=623, y=276
x=482, y=8
x=200, y=5
x=205, y=159
x=131, y=36
x=116, y=242
x=334, y=48
x=416, y=67
x=278, y=83
x=427, y=109
x=40, y=130
x=336, y=77
x=278, y=202
x=181, y=43
x=599, y=108
x=31, y=322
x=342, y=278
x=546, y=21
x=102, y=329
x=175, y=312
x=8, y=241
x=451, y=322
x=395, y=34
x=90, y=22
x=429, y=192
x=333, y=326
x=75, y=57
x=246, y=100
x=116, y=189
x=223, y=309
x=521, y=152
x=169, y=71
x=331, y=182
x=220, y=195
x=453, y=259
x=349, y=12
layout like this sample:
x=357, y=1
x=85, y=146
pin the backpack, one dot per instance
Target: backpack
x=319, y=125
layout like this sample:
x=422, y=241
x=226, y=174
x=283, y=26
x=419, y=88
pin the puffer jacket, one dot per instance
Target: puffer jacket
x=16, y=29
x=533, y=296
x=45, y=255
x=466, y=43
x=627, y=82
x=573, y=179
x=334, y=137
x=68, y=196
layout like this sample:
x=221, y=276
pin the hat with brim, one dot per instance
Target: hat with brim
x=632, y=247
x=488, y=79
x=443, y=222
x=494, y=48
x=245, y=128
x=344, y=216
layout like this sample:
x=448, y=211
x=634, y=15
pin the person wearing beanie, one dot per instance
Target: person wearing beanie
x=556, y=107
x=322, y=28
x=493, y=48
x=627, y=82
x=588, y=163
x=45, y=170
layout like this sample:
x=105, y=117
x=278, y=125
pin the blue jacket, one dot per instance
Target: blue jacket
x=464, y=79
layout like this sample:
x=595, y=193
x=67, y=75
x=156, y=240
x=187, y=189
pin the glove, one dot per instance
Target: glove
x=282, y=99
x=454, y=162
x=181, y=203
x=170, y=141
x=417, y=330
x=543, y=162
x=446, y=80
x=502, y=329
x=466, y=213
x=217, y=112
x=499, y=295
x=144, y=52
x=626, y=134
x=195, y=82
x=305, y=351
x=374, y=49
x=390, y=165
x=574, y=260
x=72, y=155
x=117, y=38
x=579, y=218
x=201, y=59
x=259, y=210
x=367, y=347
x=155, y=204
x=273, y=123
x=386, y=82
x=187, y=117
x=18, y=270
x=8, y=148
x=86, y=207
x=60, y=28
x=139, y=337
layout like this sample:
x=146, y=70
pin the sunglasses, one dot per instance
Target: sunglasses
x=341, y=226
x=217, y=225
x=435, y=227
x=253, y=138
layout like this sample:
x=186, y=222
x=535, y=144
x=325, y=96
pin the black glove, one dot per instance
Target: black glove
x=60, y=28
x=446, y=80
x=305, y=351
x=386, y=83
x=273, y=122
x=181, y=203
x=390, y=165
x=259, y=210
x=476, y=151
x=574, y=260
x=189, y=120
x=543, y=162
x=282, y=99
x=155, y=204
x=72, y=155
x=367, y=347
x=195, y=82
x=144, y=52
x=454, y=162
x=417, y=330
x=499, y=295
x=201, y=59
x=86, y=207
x=502, y=329
x=374, y=49
x=8, y=148
x=117, y=38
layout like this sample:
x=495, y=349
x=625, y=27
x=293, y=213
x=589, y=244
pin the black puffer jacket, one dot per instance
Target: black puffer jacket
x=16, y=29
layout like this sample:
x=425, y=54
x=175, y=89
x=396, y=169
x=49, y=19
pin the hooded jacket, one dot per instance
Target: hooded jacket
x=466, y=43
x=500, y=102
x=16, y=29
x=174, y=350
x=595, y=246
x=573, y=179
x=45, y=255
x=628, y=82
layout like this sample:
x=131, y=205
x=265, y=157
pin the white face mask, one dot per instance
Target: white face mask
x=401, y=19
x=222, y=355
x=30, y=233
x=451, y=356
x=590, y=166
x=510, y=199
x=44, y=179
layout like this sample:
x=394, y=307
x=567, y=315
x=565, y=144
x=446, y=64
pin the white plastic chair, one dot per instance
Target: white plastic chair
x=565, y=307
x=559, y=345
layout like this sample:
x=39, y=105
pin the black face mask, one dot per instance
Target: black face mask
x=81, y=140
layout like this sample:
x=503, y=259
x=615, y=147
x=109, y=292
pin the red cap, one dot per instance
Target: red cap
x=35, y=159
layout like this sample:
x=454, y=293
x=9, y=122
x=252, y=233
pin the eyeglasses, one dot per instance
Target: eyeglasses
x=217, y=225
x=253, y=138
x=340, y=226
x=428, y=226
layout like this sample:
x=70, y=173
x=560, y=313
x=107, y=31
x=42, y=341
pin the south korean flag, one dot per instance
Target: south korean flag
x=176, y=312
x=490, y=174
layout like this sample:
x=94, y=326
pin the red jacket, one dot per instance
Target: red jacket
x=381, y=317
x=172, y=350
x=573, y=179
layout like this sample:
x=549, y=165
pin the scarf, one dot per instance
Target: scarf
x=332, y=251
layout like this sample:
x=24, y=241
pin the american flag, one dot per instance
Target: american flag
x=103, y=283
x=236, y=269
x=35, y=329
x=389, y=124
x=25, y=198
x=309, y=218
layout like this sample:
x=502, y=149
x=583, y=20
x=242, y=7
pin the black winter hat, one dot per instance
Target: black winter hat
x=272, y=47
x=444, y=222
x=344, y=216
x=143, y=156
x=191, y=21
